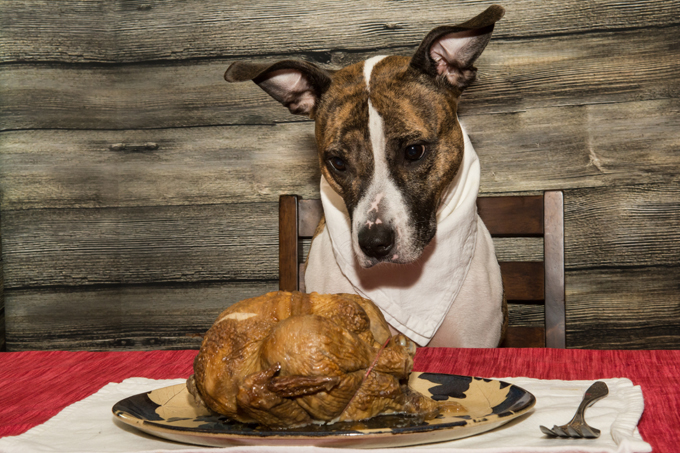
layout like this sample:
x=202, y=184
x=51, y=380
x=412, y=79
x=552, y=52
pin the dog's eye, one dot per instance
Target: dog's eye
x=338, y=163
x=414, y=152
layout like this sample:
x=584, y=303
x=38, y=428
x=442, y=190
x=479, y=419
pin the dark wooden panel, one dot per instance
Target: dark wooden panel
x=140, y=245
x=76, y=31
x=597, y=145
x=523, y=281
x=524, y=337
x=511, y=216
x=636, y=308
x=513, y=76
x=288, y=243
x=124, y=317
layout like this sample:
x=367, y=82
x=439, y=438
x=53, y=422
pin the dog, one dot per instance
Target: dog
x=399, y=185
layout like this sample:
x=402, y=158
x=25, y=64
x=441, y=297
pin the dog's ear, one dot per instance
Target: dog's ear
x=451, y=51
x=296, y=84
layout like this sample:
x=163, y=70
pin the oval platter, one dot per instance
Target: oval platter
x=171, y=413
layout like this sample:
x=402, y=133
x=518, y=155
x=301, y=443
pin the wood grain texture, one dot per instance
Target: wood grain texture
x=513, y=76
x=81, y=247
x=617, y=227
x=594, y=146
x=99, y=31
x=634, y=308
x=122, y=317
x=194, y=166
x=605, y=227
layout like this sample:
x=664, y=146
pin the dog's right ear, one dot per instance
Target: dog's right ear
x=296, y=84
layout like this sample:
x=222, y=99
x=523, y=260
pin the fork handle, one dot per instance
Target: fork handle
x=595, y=392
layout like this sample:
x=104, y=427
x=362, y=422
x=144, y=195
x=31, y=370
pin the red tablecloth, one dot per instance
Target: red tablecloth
x=34, y=386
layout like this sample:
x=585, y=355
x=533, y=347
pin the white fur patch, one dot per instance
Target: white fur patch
x=368, y=69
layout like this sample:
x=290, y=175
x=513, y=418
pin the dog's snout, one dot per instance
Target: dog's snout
x=376, y=241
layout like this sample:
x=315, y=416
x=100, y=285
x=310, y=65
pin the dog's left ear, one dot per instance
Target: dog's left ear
x=296, y=84
x=451, y=51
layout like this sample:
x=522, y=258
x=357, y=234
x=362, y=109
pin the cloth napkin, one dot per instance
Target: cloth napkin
x=89, y=426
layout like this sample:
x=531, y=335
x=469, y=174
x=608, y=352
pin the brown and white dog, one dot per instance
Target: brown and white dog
x=399, y=184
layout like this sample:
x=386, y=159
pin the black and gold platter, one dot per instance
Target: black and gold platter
x=171, y=413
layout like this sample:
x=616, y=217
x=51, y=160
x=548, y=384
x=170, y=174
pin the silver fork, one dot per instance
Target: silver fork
x=578, y=427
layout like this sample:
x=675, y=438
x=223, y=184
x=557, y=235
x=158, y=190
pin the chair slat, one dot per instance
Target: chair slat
x=288, y=243
x=523, y=281
x=524, y=337
x=512, y=216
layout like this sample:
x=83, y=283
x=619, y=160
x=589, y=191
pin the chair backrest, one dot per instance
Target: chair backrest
x=534, y=282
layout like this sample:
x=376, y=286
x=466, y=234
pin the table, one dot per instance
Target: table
x=36, y=385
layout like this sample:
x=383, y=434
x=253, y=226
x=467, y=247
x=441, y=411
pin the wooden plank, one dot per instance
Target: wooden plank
x=235, y=242
x=58, y=169
x=120, y=318
x=636, y=308
x=630, y=226
x=595, y=145
x=514, y=76
x=577, y=146
x=75, y=31
x=512, y=216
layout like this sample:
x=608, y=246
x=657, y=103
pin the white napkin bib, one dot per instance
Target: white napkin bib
x=414, y=298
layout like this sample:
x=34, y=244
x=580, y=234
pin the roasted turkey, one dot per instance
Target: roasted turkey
x=290, y=359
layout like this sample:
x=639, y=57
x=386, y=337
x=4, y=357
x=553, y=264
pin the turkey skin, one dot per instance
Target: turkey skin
x=290, y=359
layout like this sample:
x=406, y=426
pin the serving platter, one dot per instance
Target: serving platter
x=171, y=413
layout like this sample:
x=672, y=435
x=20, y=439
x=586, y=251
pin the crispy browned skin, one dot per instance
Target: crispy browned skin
x=289, y=359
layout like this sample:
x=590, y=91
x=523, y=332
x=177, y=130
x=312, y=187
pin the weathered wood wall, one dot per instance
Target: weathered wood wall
x=139, y=190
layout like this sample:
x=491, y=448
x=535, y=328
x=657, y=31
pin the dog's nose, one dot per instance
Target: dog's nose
x=376, y=241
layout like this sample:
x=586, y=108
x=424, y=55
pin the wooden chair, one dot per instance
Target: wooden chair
x=513, y=216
